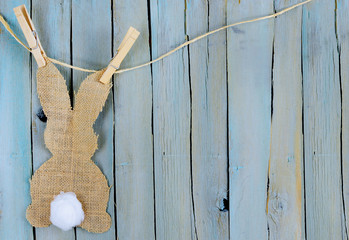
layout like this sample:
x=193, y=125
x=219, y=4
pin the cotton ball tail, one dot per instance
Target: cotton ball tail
x=66, y=211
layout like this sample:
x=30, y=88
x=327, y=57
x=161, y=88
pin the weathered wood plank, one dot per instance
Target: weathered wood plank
x=285, y=197
x=92, y=48
x=209, y=118
x=133, y=128
x=342, y=18
x=322, y=123
x=47, y=15
x=171, y=94
x=15, y=131
x=249, y=100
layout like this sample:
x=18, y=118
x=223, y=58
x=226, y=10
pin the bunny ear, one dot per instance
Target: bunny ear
x=52, y=91
x=54, y=98
x=90, y=99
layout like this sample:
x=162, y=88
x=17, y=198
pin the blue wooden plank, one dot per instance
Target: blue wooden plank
x=249, y=50
x=133, y=128
x=171, y=96
x=92, y=48
x=46, y=16
x=285, y=205
x=15, y=131
x=208, y=76
x=342, y=27
x=322, y=123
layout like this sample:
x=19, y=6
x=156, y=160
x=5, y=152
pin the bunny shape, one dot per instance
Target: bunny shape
x=70, y=138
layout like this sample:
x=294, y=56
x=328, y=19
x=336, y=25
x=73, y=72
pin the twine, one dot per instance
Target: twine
x=8, y=28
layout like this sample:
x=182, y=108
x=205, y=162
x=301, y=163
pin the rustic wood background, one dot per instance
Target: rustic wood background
x=243, y=135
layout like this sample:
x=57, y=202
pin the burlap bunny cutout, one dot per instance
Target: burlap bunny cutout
x=70, y=138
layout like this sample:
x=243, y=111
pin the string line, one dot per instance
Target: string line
x=8, y=28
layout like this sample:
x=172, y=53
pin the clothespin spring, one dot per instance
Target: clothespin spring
x=113, y=66
x=36, y=39
x=116, y=68
x=30, y=34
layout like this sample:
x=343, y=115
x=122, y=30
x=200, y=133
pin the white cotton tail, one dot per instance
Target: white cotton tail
x=66, y=211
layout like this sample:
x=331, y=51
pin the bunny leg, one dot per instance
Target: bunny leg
x=38, y=215
x=38, y=212
x=94, y=204
x=96, y=222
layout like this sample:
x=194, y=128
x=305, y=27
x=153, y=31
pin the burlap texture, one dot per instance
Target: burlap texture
x=70, y=137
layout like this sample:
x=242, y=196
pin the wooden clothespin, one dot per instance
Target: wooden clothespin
x=30, y=34
x=125, y=46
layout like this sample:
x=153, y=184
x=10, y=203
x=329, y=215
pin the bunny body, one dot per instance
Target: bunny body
x=70, y=138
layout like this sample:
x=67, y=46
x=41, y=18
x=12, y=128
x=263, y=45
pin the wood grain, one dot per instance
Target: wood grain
x=249, y=50
x=133, y=128
x=56, y=43
x=209, y=118
x=172, y=113
x=342, y=16
x=15, y=133
x=92, y=48
x=285, y=196
x=322, y=123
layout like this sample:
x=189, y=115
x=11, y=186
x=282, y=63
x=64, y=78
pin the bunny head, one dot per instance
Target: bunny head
x=70, y=138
